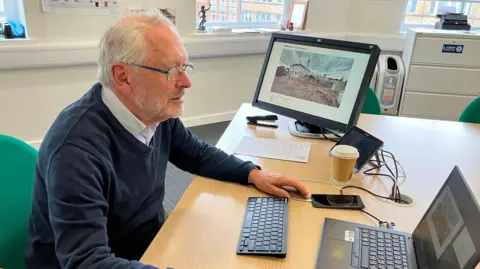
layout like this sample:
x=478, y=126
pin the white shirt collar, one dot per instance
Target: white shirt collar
x=126, y=117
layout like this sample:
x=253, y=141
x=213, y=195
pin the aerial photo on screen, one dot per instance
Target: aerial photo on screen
x=312, y=77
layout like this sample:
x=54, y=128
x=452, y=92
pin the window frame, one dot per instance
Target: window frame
x=464, y=5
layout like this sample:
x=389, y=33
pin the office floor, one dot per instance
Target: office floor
x=177, y=181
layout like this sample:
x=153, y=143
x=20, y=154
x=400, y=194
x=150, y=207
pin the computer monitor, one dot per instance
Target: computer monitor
x=321, y=83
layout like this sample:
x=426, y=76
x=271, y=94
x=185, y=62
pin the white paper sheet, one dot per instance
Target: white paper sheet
x=273, y=149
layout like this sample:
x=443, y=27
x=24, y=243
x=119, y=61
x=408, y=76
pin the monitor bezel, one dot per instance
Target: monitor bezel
x=370, y=49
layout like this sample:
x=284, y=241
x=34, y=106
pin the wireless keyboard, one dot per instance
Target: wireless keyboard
x=264, y=230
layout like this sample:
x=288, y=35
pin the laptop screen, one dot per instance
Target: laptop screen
x=448, y=236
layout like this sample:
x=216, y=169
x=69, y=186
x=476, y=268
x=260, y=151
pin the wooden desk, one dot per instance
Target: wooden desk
x=203, y=230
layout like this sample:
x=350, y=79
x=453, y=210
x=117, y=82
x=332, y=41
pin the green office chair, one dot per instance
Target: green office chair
x=371, y=104
x=17, y=171
x=471, y=114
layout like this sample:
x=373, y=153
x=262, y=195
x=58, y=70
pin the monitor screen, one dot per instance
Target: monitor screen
x=448, y=237
x=316, y=79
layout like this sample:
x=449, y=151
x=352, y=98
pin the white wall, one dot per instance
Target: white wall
x=67, y=26
x=30, y=99
x=220, y=84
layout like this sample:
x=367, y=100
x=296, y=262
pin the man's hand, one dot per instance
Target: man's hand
x=272, y=183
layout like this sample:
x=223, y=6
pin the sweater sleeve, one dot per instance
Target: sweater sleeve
x=78, y=210
x=188, y=153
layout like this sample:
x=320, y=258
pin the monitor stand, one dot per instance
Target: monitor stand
x=306, y=130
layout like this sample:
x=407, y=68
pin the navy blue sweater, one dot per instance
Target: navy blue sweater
x=98, y=191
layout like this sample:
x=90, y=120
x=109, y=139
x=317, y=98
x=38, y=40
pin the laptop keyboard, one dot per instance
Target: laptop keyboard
x=382, y=250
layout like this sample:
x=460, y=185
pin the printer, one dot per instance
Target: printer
x=452, y=21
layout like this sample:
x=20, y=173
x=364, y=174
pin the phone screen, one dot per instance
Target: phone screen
x=337, y=201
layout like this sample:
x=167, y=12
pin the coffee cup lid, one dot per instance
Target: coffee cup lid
x=345, y=151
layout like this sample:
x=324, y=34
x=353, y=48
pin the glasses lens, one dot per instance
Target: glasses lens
x=188, y=69
x=174, y=73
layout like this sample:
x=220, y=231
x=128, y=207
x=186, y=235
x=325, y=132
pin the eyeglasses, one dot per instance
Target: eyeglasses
x=173, y=73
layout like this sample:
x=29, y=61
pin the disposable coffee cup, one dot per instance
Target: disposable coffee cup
x=344, y=159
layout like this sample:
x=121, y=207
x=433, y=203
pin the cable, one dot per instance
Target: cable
x=328, y=138
x=395, y=191
x=301, y=200
x=374, y=194
x=371, y=215
x=396, y=170
x=321, y=130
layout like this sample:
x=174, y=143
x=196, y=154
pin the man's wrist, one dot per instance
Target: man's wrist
x=252, y=175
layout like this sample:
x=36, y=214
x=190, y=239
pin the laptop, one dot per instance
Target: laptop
x=447, y=237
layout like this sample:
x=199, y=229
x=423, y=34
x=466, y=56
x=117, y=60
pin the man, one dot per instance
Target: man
x=99, y=187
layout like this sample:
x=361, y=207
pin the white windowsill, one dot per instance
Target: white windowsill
x=17, y=42
x=30, y=53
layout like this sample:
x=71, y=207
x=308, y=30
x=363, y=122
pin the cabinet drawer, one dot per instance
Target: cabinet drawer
x=434, y=106
x=429, y=50
x=450, y=80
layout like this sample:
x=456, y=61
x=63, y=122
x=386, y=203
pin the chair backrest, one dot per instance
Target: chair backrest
x=471, y=114
x=17, y=172
x=371, y=104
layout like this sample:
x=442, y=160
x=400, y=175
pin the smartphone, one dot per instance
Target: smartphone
x=366, y=144
x=337, y=201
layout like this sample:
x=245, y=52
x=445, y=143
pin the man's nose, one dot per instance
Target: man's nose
x=184, y=81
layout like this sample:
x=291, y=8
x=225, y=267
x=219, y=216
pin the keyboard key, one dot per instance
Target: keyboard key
x=379, y=235
x=251, y=246
x=364, y=256
x=262, y=248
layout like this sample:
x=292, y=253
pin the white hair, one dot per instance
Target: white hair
x=124, y=42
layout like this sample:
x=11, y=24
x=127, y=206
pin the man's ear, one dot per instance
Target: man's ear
x=120, y=77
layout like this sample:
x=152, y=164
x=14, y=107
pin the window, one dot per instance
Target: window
x=422, y=13
x=244, y=14
x=2, y=12
x=223, y=17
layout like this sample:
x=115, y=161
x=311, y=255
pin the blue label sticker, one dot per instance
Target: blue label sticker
x=451, y=48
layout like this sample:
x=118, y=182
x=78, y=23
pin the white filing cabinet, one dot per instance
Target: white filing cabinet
x=442, y=73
